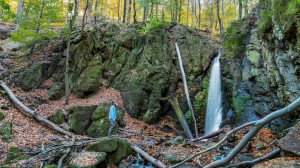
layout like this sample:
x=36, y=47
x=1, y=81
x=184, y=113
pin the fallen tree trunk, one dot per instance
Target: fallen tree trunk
x=293, y=107
x=35, y=114
x=154, y=161
x=181, y=118
x=271, y=154
x=60, y=162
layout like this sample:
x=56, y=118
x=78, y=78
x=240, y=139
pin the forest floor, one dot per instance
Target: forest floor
x=29, y=134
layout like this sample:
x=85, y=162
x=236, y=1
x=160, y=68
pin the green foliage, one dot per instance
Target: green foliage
x=238, y=103
x=6, y=13
x=153, y=25
x=265, y=20
x=201, y=100
x=234, y=39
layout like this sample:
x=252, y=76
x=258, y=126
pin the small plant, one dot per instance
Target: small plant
x=153, y=25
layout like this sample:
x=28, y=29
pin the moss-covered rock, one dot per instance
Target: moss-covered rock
x=80, y=118
x=34, y=77
x=117, y=155
x=58, y=117
x=83, y=160
x=14, y=155
x=6, y=131
x=100, y=128
x=176, y=156
x=51, y=166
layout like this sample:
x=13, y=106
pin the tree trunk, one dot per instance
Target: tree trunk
x=187, y=13
x=246, y=7
x=119, y=11
x=37, y=30
x=220, y=22
x=176, y=10
x=35, y=114
x=144, y=14
x=76, y=9
x=66, y=21
x=20, y=11
x=86, y=7
x=134, y=12
x=222, y=8
x=124, y=12
x=291, y=108
x=186, y=89
x=240, y=9
x=129, y=10
x=181, y=118
x=199, y=23
x=156, y=10
x=179, y=15
x=151, y=10
x=95, y=12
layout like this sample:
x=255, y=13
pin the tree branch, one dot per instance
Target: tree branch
x=36, y=115
x=148, y=157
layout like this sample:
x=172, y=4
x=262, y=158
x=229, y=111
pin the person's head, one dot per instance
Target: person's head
x=113, y=102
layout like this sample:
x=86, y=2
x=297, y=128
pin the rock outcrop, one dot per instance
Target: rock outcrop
x=291, y=142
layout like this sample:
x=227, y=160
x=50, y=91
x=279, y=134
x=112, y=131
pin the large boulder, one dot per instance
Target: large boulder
x=175, y=156
x=281, y=162
x=88, y=160
x=100, y=128
x=115, y=155
x=291, y=142
x=103, y=111
x=6, y=131
x=80, y=118
x=34, y=77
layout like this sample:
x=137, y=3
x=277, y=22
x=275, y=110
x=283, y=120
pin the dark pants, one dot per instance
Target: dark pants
x=112, y=125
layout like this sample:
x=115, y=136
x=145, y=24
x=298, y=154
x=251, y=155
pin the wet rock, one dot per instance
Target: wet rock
x=291, y=142
x=83, y=160
x=176, y=141
x=117, y=154
x=279, y=162
x=6, y=131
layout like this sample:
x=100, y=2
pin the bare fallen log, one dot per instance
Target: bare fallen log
x=213, y=134
x=293, y=107
x=271, y=154
x=35, y=114
x=154, y=161
x=181, y=117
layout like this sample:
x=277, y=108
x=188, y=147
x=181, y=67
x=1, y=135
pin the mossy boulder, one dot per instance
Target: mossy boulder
x=90, y=79
x=34, y=77
x=118, y=154
x=51, y=166
x=80, y=118
x=175, y=156
x=6, y=131
x=100, y=128
x=14, y=155
x=103, y=111
x=83, y=160
x=291, y=142
x=57, y=91
x=1, y=116
x=58, y=117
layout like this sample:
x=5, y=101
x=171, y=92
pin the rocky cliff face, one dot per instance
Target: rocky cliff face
x=142, y=66
x=261, y=70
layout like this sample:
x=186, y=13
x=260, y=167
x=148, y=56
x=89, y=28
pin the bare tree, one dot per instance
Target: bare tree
x=119, y=11
x=20, y=11
x=240, y=9
x=83, y=23
x=124, y=12
x=246, y=7
x=134, y=12
x=129, y=10
x=220, y=22
x=199, y=22
x=179, y=14
x=95, y=12
x=67, y=13
x=144, y=13
x=187, y=13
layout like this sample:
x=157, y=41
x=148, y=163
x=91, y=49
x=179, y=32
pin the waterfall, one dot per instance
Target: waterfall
x=214, y=100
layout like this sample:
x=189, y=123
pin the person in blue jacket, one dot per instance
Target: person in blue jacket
x=112, y=118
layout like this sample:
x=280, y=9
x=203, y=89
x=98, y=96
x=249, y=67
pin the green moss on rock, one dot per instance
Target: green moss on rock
x=6, y=131
x=100, y=128
x=57, y=117
x=1, y=116
x=78, y=160
x=105, y=145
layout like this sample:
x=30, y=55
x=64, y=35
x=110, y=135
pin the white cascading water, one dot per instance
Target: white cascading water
x=213, y=117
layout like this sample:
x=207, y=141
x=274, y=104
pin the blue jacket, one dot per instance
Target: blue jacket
x=112, y=113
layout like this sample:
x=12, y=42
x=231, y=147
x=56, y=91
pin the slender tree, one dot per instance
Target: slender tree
x=67, y=13
x=246, y=7
x=84, y=14
x=199, y=22
x=179, y=15
x=95, y=12
x=176, y=10
x=187, y=13
x=144, y=13
x=134, y=12
x=220, y=22
x=240, y=9
x=129, y=10
x=124, y=12
x=119, y=11
x=20, y=11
